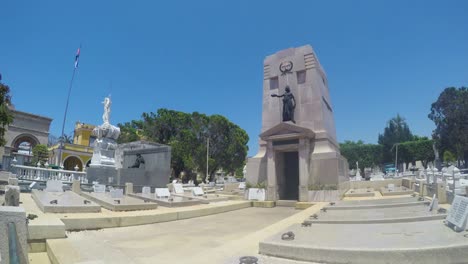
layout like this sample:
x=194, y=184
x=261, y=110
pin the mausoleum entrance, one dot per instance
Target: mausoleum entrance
x=288, y=175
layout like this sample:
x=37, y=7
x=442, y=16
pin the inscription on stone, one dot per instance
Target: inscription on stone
x=162, y=192
x=197, y=191
x=256, y=194
x=178, y=188
x=146, y=190
x=458, y=212
x=99, y=188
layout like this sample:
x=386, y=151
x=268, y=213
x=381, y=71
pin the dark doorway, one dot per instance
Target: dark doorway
x=291, y=176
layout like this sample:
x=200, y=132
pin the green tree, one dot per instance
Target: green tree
x=40, y=154
x=419, y=149
x=450, y=115
x=396, y=131
x=368, y=155
x=6, y=117
x=187, y=134
x=449, y=157
x=130, y=131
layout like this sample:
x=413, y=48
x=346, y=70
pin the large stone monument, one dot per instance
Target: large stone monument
x=143, y=163
x=102, y=167
x=298, y=145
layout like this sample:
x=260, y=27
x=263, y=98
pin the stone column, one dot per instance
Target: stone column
x=271, y=172
x=128, y=188
x=304, y=154
x=13, y=219
x=441, y=192
x=76, y=186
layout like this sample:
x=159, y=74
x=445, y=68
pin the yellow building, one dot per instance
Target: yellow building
x=79, y=152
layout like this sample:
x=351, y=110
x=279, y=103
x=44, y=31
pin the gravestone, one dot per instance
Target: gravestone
x=12, y=195
x=162, y=192
x=242, y=186
x=116, y=193
x=256, y=194
x=128, y=188
x=99, y=188
x=197, y=191
x=146, y=190
x=54, y=186
x=178, y=188
x=458, y=213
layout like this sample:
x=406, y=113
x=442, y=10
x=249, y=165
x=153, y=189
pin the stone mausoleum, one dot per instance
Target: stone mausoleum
x=302, y=150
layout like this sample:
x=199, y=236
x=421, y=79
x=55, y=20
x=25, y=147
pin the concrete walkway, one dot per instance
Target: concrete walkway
x=186, y=241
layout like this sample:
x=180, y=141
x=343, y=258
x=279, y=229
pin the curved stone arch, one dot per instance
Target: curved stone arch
x=70, y=161
x=88, y=163
x=25, y=137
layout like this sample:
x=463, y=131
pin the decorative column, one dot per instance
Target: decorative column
x=271, y=172
x=304, y=159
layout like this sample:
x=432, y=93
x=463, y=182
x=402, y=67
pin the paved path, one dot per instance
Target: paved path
x=171, y=242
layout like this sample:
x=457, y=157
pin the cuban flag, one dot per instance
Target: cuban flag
x=77, y=57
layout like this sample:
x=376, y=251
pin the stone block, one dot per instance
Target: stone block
x=441, y=192
x=264, y=204
x=13, y=219
x=128, y=188
x=303, y=205
x=76, y=186
x=12, y=195
x=102, y=174
x=13, y=181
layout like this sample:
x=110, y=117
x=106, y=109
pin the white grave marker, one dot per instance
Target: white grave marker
x=99, y=188
x=178, y=188
x=458, y=213
x=242, y=185
x=256, y=194
x=54, y=186
x=162, y=192
x=197, y=191
x=116, y=193
x=146, y=190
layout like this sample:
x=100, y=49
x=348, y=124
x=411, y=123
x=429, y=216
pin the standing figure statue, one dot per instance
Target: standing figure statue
x=289, y=104
x=107, y=105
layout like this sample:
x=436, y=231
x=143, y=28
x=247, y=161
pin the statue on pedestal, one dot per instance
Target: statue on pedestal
x=106, y=136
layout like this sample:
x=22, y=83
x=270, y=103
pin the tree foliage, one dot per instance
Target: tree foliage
x=187, y=134
x=6, y=117
x=130, y=131
x=40, y=153
x=419, y=149
x=396, y=131
x=450, y=115
x=368, y=155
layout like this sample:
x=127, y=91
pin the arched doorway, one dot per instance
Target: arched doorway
x=22, y=147
x=71, y=161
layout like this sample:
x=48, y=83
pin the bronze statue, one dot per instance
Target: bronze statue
x=139, y=160
x=289, y=104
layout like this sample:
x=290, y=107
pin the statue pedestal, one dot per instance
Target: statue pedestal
x=102, y=174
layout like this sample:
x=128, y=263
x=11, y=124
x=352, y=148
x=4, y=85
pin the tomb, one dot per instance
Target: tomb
x=298, y=145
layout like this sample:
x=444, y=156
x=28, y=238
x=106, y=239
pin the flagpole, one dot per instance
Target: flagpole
x=66, y=110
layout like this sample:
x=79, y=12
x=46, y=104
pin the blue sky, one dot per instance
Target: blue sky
x=381, y=57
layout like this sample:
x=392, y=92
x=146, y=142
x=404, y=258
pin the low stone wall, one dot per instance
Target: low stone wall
x=374, y=184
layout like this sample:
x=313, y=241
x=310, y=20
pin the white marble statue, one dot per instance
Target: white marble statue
x=106, y=136
x=107, y=110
